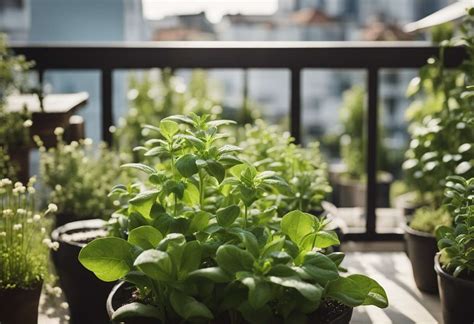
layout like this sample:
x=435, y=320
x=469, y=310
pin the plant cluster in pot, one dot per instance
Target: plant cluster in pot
x=350, y=181
x=79, y=177
x=24, y=246
x=454, y=264
x=441, y=145
x=269, y=148
x=196, y=247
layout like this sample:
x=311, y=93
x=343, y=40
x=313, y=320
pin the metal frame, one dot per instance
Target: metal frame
x=295, y=56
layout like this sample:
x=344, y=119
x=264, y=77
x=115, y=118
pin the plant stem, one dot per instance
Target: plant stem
x=245, y=216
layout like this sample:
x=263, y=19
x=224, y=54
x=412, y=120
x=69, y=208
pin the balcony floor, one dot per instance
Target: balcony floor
x=391, y=269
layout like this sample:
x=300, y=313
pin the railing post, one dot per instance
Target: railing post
x=295, y=107
x=106, y=100
x=371, y=156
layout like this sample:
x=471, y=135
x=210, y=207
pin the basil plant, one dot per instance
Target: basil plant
x=196, y=246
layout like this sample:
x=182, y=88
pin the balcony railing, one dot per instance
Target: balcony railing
x=295, y=56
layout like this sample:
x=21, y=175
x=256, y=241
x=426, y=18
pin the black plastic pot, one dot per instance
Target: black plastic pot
x=122, y=293
x=421, y=249
x=20, y=306
x=456, y=295
x=84, y=292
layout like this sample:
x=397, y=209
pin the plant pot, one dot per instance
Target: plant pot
x=406, y=203
x=456, y=295
x=122, y=293
x=352, y=193
x=84, y=292
x=20, y=157
x=421, y=249
x=20, y=306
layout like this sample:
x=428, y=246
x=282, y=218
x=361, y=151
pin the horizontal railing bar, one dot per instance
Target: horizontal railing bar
x=292, y=55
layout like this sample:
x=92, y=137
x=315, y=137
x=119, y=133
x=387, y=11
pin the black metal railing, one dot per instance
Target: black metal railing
x=295, y=56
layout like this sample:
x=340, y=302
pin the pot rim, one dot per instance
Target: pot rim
x=447, y=276
x=110, y=307
x=56, y=234
x=412, y=231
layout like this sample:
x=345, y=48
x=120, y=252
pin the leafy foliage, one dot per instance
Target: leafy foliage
x=456, y=243
x=442, y=135
x=23, y=236
x=428, y=219
x=196, y=244
x=80, y=177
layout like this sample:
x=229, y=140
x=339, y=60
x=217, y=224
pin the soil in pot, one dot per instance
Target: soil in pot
x=330, y=311
x=84, y=292
x=20, y=306
x=421, y=249
x=456, y=295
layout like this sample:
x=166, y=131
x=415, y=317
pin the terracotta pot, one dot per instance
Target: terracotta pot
x=20, y=306
x=85, y=293
x=421, y=249
x=456, y=297
x=121, y=292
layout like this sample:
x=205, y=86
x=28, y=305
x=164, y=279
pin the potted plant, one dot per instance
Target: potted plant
x=441, y=146
x=350, y=184
x=78, y=176
x=421, y=245
x=455, y=262
x=303, y=168
x=197, y=248
x=24, y=246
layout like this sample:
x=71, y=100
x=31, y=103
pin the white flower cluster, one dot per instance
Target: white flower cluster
x=50, y=244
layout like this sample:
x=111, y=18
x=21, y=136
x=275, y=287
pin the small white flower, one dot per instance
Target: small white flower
x=57, y=291
x=58, y=187
x=29, y=221
x=43, y=230
x=18, y=184
x=88, y=141
x=17, y=227
x=27, y=123
x=58, y=131
x=31, y=190
x=47, y=242
x=6, y=182
x=52, y=208
x=36, y=217
x=54, y=246
x=64, y=305
x=21, y=211
x=3, y=234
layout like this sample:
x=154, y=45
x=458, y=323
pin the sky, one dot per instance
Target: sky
x=214, y=9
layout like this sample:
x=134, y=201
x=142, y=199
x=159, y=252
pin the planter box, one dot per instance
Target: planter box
x=20, y=306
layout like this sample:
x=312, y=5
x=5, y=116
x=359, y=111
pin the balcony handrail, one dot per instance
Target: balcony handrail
x=295, y=56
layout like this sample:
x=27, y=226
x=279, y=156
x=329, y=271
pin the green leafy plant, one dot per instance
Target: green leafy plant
x=428, y=219
x=456, y=244
x=269, y=148
x=79, y=177
x=441, y=142
x=196, y=246
x=24, y=240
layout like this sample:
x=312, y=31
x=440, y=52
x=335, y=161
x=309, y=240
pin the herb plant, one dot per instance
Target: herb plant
x=442, y=142
x=79, y=177
x=428, y=219
x=304, y=169
x=197, y=246
x=24, y=240
x=456, y=243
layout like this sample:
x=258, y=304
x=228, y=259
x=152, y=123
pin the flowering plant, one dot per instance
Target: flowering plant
x=23, y=236
x=79, y=176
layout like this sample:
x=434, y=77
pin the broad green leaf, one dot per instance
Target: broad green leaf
x=297, y=225
x=336, y=257
x=256, y=316
x=275, y=245
x=173, y=244
x=216, y=170
x=373, y=292
x=139, y=166
x=155, y=264
x=191, y=259
x=109, y=258
x=199, y=222
x=214, y=274
x=321, y=268
x=191, y=195
x=146, y=237
x=260, y=292
x=168, y=128
x=321, y=239
x=143, y=202
x=313, y=292
x=346, y=291
x=232, y=259
x=186, y=165
x=226, y=216
x=188, y=307
x=134, y=310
